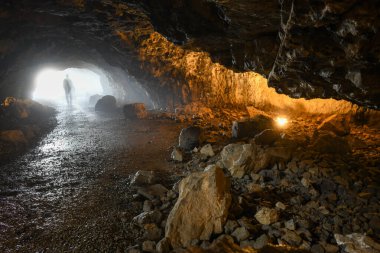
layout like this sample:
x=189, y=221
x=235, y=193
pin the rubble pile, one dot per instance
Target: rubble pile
x=309, y=187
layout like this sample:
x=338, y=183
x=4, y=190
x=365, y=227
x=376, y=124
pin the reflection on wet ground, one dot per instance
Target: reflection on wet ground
x=61, y=181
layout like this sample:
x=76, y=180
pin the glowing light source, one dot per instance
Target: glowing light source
x=281, y=121
x=49, y=84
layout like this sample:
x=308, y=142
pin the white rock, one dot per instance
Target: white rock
x=280, y=205
x=241, y=233
x=237, y=158
x=267, y=216
x=201, y=209
x=207, y=150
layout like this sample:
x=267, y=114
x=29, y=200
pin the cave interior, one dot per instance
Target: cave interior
x=189, y=126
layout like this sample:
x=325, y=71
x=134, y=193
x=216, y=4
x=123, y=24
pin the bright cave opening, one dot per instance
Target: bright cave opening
x=49, y=87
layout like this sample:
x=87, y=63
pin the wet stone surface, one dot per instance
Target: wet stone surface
x=71, y=192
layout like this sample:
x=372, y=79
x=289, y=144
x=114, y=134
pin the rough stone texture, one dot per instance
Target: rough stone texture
x=207, y=150
x=201, y=209
x=106, y=104
x=318, y=49
x=267, y=216
x=237, y=158
x=338, y=124
x=190, y=138
x=176, y=155
x=135, y=111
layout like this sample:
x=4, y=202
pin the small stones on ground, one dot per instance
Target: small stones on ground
x=163, y=246
x=152, y=232
x=230, y=226
x=280, y=205
x=291, y=237
x=148, y=217
x=261, y=242
x=207, y=150
x=290, y=224
x=153, y=191
x=241, y=234
x=142, y=177
x=237, y=158
x=176, y=155
x=267, y=216
x=149, y=246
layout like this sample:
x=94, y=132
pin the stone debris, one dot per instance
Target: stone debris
x=207, y=150
x=241, y=234
x=153, y=191
x=267, y=216
x=143, y=177
x=299, y=189
x=357, y=243
x=237, y=158
x=176, y=155
x=135, y=111
x=201, y=208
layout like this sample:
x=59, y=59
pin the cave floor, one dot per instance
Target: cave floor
x=70, y=192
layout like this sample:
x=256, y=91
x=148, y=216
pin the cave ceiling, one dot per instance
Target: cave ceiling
x=309, y=49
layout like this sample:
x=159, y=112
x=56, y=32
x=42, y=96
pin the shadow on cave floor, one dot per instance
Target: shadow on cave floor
x=70, y=192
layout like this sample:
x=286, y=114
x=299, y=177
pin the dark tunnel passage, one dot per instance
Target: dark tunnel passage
x=189, y=126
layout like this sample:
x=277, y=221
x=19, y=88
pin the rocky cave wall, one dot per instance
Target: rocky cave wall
x=217, y=54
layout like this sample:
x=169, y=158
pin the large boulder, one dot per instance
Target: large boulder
x=237, y=158
x=190, y=138
x=201, y=208
x=338, y=124
x=135, y=111
x=106, y=104
x=251, y=127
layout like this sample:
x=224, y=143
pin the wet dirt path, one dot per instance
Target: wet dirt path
x=70, y=193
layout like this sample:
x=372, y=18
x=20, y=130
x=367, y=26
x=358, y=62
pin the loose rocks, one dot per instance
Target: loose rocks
x=267, y=216
x=201, y=209
x=237, y=158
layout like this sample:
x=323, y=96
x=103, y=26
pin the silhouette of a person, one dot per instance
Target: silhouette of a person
x=68, y=87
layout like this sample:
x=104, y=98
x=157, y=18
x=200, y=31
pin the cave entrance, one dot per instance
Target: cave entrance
x=48, y=86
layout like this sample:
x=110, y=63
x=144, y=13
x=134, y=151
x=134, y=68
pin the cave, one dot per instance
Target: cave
x=189, y=126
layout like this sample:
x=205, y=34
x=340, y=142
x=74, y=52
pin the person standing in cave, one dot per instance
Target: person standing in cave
x=68, y=87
